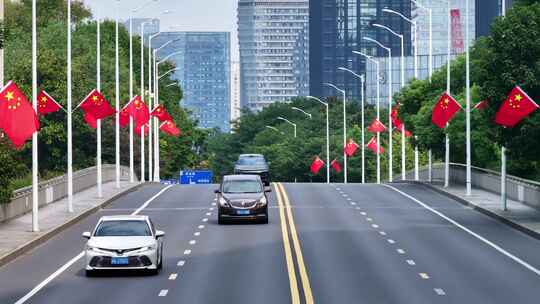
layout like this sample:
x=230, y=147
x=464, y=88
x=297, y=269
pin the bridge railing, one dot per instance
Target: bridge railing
x=56, y=189
x=518, y=189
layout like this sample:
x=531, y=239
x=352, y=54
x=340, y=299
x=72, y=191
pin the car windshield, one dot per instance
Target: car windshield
x=242, y=186
x=123, y=228
x=251, y=161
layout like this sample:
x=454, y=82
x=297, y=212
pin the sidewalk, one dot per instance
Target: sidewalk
x=518, y=215
x=16, y=235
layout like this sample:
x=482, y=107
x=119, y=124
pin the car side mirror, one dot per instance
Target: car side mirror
x=217, y=191
x=159, y=234
x=86, y=235
x=268, y=190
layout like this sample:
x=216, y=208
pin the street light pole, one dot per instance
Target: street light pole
x=468, y=97
x=390, y=139
x=98, y=122
x=69, y=114
x=327, y=137
x=344, y=128
x=117, y=73
x=377, y=65
x=300, y=110
x=289, y=122
x=35, y=185
x=361, y=78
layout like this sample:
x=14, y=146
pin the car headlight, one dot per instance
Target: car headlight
x=147, y=248
x=223, y=202
x=95, y=249
x=263, y=201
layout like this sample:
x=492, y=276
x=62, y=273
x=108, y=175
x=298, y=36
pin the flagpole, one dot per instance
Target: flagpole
x=468, y=97
x=150, y=106
x=503, y=151
x=156, y=127
x=117, y=72
x=378, y=118
x=344, y=128
x=327, y=137
x=448, y=68
x=362, y=97
x=69, y=112
x=131, y=163
x=35, y=185
x=98, y=122
x=143, y=97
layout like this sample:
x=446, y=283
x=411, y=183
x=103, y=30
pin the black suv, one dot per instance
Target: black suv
x=253, y=164
x=242, y=197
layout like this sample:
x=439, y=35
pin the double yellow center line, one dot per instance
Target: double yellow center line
x=288, y=230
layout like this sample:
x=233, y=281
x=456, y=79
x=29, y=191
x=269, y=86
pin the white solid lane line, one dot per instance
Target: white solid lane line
x=474, y=234
x=163, y=293
x=64, y=267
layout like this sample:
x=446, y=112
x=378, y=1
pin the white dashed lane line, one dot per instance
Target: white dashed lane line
x=391, y=241
x=353, y=203
x=181, y=263
x=197, y=233
x=205, y=220
x=411, y=262
x=163, y=293
x=187, y=251
x=201, y=227
x=439, y=291
x=363, y=213
x=173, y=276
x=401, y=251
x=208, y=213
x=424, y=275
x=213, y=204
x=192, y=242
x=382, y=233
x=375, y=226
x=211, y=209
x=369, y=219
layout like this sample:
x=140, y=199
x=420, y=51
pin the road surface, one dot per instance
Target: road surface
x=398, y=243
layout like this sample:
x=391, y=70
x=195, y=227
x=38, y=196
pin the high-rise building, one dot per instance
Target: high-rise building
x=274, y=50
x=337, y=28
x=204, y=71
x=151, y=26
x=486, y=13
x=440, y=25
x=235, y=90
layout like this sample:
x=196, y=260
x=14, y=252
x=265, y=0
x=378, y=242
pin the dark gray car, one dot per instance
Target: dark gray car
x=242, y=197
x=253, y=164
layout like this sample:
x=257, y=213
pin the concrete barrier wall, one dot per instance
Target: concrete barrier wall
x=518, y=189
x=56, y=189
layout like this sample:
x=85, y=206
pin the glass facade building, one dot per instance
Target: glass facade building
x=338, y=28
x=151, y=27
x=204, y=69
x=274, y=51
x=487, y=11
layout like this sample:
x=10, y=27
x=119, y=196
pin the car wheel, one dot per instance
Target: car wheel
x=160, y=265
x=90, y=273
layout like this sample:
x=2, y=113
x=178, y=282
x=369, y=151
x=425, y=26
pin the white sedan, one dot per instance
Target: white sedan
x=124, y=242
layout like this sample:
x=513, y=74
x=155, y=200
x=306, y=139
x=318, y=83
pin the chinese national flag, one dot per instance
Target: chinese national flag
x=90, y=120
x=316, y=165
x=18, y=119
x=123, y=118
x=97, y=106
x=396, y=122
x=336, y=166
x=444, y=110
x=160, y=113
x=145, y=127
x=482, y=105
x=516, y=107
x=170, y=128
x=47, y=104
x=376, y=126
x=374, y=146
x=350, y=148
x=138, y=110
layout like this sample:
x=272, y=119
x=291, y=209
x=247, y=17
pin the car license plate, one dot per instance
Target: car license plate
x=242, y=212
x=119, y=261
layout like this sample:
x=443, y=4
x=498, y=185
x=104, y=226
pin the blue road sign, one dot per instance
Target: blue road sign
x=195, y=177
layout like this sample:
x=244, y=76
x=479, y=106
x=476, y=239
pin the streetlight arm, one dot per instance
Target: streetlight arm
x=335, y=87
x=317, y=99
x=286, y=120
x=378, y=43
x=169, y=56
x=370, y=58
x=388, y=29
x=300, y=110
x=143, y=6
x=351, y=71
x=169, y=71
x=387, y=10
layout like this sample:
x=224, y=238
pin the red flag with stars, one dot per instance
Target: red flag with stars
x=350, y=148
x=374, y=146
x=90, y=120
x=160, y=113
x=517, y=106
x=316, y=165
x=444, y=110
x=138, y=110
x=18, y=119
x=97, y=106
x=376, y=126
x=336, y=166
x=47, y=104
x=396, y=122
x=144, y=127
x=123, y=118
x=170, y=128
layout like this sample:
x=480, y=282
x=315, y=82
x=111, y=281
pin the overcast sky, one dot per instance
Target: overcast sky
x=187, y=15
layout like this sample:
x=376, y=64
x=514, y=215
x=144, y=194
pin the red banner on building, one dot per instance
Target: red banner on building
x=457, y=32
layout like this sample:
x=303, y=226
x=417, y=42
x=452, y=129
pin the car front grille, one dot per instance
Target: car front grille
x=243, y=204
x=133, y=261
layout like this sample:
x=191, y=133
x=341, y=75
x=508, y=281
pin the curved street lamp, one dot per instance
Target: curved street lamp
x=327, y=137
x=344, y=128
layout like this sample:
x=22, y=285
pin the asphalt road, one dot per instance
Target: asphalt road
x=324, y=244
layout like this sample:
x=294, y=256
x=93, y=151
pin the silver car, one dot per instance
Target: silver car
x=124, y=242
